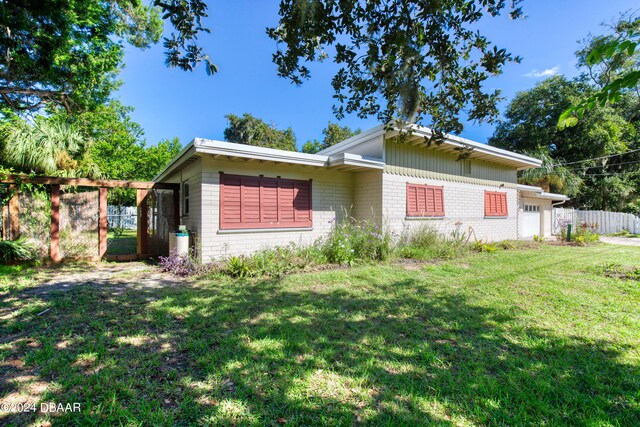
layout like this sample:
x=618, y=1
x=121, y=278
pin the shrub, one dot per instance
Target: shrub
x=275, y=261
x=507, y=245
x=237, y=266
x=352, y=240
x=583, y=234
x=19, y=250
x=426, y=243
x=482, y=246
x=182, y=265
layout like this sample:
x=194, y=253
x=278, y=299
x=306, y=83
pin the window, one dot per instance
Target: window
x=424, y=200
x=531, y=208
x=185, y=198
x=466, y=167
x=259, y=202
x=495, y=203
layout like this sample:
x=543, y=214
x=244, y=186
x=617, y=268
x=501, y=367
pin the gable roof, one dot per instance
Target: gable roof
x=450, y=143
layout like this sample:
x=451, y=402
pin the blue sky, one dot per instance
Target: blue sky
x=169, y=102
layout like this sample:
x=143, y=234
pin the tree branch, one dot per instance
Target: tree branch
x=45, y=95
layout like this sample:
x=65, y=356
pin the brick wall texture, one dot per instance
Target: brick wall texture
x=371, y=195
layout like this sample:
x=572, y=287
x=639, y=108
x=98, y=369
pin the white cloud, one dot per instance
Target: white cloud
x=544, y=73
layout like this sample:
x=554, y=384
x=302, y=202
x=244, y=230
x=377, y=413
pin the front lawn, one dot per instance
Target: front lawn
x=122, y=243
x=539, y=336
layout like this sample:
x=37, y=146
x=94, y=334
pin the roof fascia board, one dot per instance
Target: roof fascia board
x=355, y=160
x=354, y=140
x=221, y=148
x=484, y=148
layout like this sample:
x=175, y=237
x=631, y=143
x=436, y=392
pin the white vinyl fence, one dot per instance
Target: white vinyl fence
x=122, y=217
x=605, y=222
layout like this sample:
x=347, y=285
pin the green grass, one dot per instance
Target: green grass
x=515, y=337
x=625, y=233
x=123, y=244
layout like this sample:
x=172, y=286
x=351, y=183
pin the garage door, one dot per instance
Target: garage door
x=531, y=220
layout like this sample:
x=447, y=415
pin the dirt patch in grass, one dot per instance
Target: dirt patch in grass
x=617, y=271
x=117, y=276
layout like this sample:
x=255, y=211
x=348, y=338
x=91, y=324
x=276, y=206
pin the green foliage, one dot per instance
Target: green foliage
x=312, y=146
x=275, y=262
x=425, y=242
x=508, y=244
x=19, y=250
x=118, y=148
x=582, y=234
x=237, y=266
x=530, y=119
x=618, y=271
x=333, y=134
x=351, y=241
x=101, y=143
x=613, y=62
x=48, y=147
x=489, y=340
x=481, y=246
x=68, y=53
x=182, y=51
x=552, y=176
x=606, y=183
x=421, y=59
x=251, y=130
x=625, y=233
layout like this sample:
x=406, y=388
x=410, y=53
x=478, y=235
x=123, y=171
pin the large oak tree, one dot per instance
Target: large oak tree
x=412, y=60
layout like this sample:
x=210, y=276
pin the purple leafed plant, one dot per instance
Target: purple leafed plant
x=180, y=265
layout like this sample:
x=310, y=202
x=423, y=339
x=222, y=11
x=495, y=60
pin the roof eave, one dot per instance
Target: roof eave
x=354, y=141
x=355, y=161
x=539, y=193
x=520, y=161
x=220, y=148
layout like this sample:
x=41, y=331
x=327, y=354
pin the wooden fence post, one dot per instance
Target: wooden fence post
x=14, y=212
x=102, y=223
x=5, y=222
x=54, y=234
x=142, y=246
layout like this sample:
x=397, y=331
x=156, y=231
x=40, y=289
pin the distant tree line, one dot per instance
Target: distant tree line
x=251, y=130
x=596, y=158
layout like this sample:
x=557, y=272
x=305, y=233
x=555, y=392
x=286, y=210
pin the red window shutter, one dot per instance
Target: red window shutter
x=230, y=196
x=503, y=198
x=259, y=202
x=302, y=202
x=250, y=200
x=438, y=196
x=269, y=201
x=495, y=203
x=412, y=200
x=425, y=200
x=285, y=202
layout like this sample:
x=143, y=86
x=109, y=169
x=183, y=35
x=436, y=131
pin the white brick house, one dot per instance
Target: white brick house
x=237, y=198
